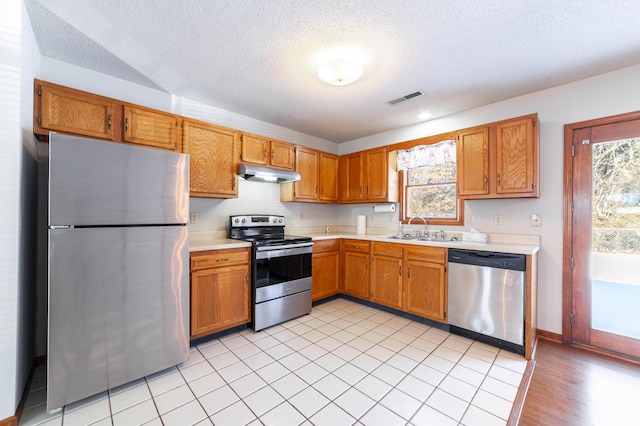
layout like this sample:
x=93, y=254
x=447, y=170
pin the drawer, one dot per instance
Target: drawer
x=219, y=258
x=387, y=249
x=355, y=245
x=326, y=245
x=428, y=254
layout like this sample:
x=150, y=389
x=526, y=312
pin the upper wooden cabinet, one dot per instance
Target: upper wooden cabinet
x=214, y=159
x=351, y=178
x=369, y=177
x=472, y=162
x=328, y=177
x=281, y=155
x=500, y=160
x=318, y=171
x=61, y=109
x=258, y=150
x=143, y=126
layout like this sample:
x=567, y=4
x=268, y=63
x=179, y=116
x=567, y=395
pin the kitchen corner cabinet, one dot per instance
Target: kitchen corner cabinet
x=262, y=151
x=386, y=274
x=369, y=176
x=213, y=159
x=61, y=109
x=318, y=177
x=355, y=265
x=326, y=269
x=156, y=129
x=220, y=291
x=425, y=282
x=500, y=160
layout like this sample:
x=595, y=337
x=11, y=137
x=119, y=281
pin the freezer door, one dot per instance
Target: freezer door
x=104, y=183
x=118, y=307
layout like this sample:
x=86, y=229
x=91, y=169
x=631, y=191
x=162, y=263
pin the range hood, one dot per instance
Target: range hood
x=266, y=174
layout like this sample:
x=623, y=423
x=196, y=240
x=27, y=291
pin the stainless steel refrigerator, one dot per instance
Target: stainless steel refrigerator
x=118, y=265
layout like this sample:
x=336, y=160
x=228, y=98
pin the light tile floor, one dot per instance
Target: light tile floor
x=343, y=364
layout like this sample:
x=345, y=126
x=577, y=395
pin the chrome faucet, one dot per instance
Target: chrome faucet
x=425, y=224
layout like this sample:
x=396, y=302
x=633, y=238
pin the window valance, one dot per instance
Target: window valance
x=437, y=154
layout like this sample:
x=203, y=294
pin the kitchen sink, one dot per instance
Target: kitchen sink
x=423, y=239
x=396, y=237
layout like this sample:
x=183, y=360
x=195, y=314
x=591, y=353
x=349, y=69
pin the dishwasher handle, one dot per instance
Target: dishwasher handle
x=515, y=262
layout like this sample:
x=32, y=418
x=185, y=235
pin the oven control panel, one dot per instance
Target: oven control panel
x=255, y=220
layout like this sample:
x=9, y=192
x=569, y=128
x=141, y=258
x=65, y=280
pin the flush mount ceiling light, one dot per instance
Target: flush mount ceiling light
x=340, y=72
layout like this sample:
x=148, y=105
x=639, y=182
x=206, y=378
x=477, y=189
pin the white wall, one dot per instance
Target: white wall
x=604, y=95
x=18, y=172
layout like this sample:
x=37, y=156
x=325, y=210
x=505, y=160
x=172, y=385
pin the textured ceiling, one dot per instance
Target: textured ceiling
x=256, y=58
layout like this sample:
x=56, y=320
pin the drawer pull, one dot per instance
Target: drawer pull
x=222, y=260
x=356, y=247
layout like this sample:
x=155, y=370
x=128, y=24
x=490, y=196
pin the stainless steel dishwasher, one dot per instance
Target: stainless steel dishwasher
x=487, y=297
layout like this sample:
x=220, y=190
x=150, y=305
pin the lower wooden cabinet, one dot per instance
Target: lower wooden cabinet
x=220, y=290
x=407, y=277
x=326, y=269
x=355, y=264
x=425, y=282
x=386, y=274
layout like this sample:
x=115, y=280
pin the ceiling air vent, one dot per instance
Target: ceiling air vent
x=406, y=97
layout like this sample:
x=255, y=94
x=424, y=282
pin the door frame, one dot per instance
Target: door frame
x=567, y=246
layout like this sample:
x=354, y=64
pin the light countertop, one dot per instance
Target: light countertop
x=501, y=246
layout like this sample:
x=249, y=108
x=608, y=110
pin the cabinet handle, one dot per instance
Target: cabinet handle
x=325, y=247
x=246, y=278
x=360, y=189
x=408, y=272
x=356, y=247
x=265, y=155
x=273, y=154
x=109, y=122
x=222, y=260
x=486, y=180
x=366, y=265
x=126, y=124
x=400, y=272
x=533, y=186
x=498, y=179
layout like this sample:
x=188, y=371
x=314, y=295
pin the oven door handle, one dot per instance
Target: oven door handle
x=283, y=250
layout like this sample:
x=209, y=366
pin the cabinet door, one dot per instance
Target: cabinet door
x=376, y=171
x=328, y=180
x=473, y=162
x=72, y=111
x=386, y=281
x=425, y=289
x=325, y=274
x=151, y=128
x=307, y=165
x=351, y=178
x=516, y=157
x=213, y=164
x=219, y=299
x=282, y=155
x=254, y=150
x=356, y=274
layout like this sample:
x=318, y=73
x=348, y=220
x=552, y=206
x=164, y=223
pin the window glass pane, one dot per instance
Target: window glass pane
x=432, y=174
x=436, y=201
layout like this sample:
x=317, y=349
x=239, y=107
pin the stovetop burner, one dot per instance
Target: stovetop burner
x=262, y=230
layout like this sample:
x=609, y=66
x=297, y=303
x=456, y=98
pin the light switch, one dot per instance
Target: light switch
x=497, y=219
x=193, y=218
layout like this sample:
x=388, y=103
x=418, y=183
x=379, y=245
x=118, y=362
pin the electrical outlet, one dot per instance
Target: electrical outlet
x=536, y=220
x=497, y=219
x=472, y=219
x=193, y=218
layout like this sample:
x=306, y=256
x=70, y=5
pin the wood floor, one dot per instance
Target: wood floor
x=573, y=386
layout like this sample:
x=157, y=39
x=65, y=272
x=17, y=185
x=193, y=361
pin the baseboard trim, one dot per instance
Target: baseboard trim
x=548, y=335
x=518, y=403
x=13, y=420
